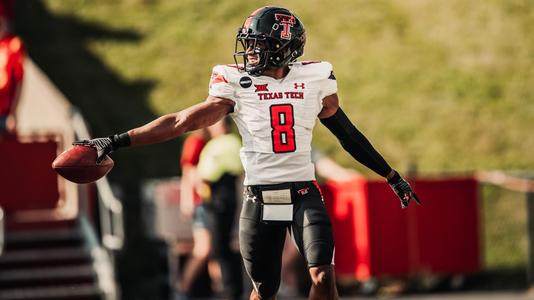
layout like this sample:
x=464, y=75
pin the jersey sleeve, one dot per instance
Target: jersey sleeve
x=328, y=83
x=220, y=85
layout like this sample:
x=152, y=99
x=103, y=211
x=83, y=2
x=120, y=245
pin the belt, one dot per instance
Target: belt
x=293, y=186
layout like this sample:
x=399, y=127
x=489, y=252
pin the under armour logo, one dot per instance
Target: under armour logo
x=303, y=191
x=261, y=87
x=299, y=85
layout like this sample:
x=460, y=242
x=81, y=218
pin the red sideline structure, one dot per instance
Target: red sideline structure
x=27, y=180
x=376, y=238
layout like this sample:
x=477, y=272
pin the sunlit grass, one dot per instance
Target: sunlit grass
x=505, y=236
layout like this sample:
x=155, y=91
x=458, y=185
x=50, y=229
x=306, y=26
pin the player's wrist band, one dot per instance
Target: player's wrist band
x=121, y=140
x=396, y=178
x=355, y=143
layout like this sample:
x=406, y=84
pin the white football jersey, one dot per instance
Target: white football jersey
x=275, y=118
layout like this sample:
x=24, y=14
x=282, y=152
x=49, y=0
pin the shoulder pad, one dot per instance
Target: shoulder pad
x=317, y=69
x=231, y=72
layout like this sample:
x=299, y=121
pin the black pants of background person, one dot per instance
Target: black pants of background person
x=221, y=215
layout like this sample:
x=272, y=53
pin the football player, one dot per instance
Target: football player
x=275, y=102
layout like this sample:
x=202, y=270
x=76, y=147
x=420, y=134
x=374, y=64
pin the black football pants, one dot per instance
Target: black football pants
x=262, y=242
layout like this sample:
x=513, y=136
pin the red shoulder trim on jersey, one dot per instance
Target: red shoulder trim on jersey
x=218, y=78
x=309, y=62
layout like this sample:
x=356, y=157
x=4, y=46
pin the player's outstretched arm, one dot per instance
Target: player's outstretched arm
x=173, y=125
x=165, y=127
x=357, y=145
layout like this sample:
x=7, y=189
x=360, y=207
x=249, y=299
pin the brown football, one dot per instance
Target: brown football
x=78, y=164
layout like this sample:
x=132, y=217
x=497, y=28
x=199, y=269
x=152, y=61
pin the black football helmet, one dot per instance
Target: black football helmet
x=274, y=34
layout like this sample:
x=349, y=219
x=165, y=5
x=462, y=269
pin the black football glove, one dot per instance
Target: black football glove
x=403, y=190
x=106, y=145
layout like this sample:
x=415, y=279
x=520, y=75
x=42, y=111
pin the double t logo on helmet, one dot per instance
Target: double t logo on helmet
x=287, y=21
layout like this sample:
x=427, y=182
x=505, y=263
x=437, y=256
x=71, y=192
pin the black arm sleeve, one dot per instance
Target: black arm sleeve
x=355, y=143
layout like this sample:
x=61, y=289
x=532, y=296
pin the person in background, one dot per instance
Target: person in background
x=191, y=150
x=12, y=54
x=191, y=206
x=220, y=167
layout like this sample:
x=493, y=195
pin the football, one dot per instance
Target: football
x=78, y=164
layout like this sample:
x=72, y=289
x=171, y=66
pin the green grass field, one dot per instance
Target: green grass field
x=445, y=85
x=504, y=228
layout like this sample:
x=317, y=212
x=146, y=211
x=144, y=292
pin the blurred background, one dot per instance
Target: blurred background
x=443, y=89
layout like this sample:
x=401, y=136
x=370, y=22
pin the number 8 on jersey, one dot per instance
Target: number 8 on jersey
x=283, y=133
